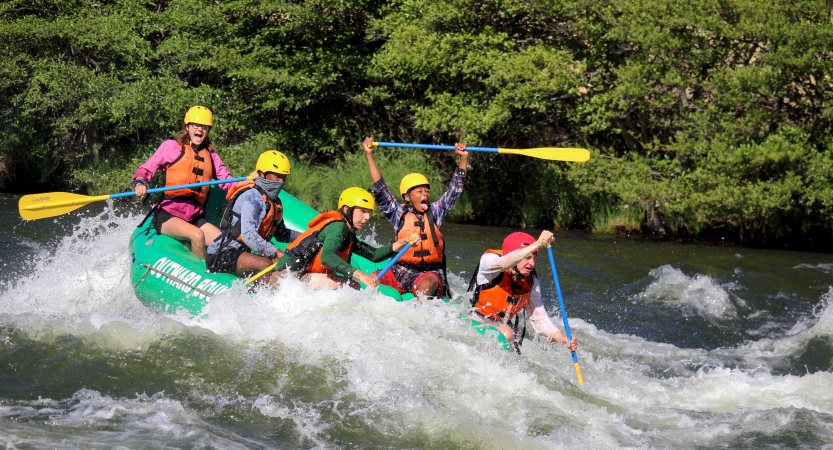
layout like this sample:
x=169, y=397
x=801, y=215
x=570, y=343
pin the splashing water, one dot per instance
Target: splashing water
x=84, y=364
x=699, y=294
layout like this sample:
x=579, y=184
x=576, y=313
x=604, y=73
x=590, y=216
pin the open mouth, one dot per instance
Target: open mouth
x=424, y=205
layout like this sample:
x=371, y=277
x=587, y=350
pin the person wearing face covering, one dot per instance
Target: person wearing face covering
x=422, y=270
x=252, y=217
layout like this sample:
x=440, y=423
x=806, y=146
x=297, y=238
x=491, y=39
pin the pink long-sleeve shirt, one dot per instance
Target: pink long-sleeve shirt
x=162, y=158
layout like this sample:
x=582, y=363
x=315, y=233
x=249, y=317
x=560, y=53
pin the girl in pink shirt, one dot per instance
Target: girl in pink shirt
x=190, y=158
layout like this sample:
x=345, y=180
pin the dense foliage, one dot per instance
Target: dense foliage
x=706, y=118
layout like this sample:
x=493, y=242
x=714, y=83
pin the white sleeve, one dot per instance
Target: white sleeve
x=537, y=313
x=489, y=268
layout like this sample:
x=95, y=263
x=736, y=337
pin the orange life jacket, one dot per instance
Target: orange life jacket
x=431, y=246
x=502, y=298
x=307, y=246
x=190, y=167
x=274, y=212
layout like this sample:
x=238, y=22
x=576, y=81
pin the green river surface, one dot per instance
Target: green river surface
x=682, y=345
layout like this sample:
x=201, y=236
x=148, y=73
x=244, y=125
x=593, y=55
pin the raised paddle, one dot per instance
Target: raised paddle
x=548, y=153
x=51, y=204
x=564, y=313
x=378, y=275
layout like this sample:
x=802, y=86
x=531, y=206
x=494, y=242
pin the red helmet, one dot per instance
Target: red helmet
x=515, y=241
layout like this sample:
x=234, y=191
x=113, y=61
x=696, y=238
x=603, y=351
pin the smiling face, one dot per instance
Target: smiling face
x=197, y=133
x=419, y=197
x=527, y=264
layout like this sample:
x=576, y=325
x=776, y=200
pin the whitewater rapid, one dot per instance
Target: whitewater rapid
x=333, y=367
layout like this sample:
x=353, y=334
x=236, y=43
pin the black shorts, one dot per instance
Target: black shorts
x=225, y=260
x=161, y=216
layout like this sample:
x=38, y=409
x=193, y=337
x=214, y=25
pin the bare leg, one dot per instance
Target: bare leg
x=507, y=332
x=271, y=279
x=211, y=232
x=317, y=280
x=182, y=230
x=248, y=264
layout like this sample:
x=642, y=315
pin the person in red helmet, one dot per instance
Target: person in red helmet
x=505, y=284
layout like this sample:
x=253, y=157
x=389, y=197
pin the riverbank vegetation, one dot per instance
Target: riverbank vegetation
x=704, y=119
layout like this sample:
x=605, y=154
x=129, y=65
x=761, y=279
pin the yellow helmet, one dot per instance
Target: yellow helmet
x=411, y=181
x=199, y=115
x=273, y=161
x=356, y=196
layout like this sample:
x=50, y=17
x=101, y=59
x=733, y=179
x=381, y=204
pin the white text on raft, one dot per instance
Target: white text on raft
x=189, y=277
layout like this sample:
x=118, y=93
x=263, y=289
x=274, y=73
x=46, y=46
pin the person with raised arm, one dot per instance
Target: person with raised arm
x=422, y=270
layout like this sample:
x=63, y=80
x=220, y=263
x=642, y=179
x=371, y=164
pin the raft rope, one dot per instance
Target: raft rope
x=171, y=277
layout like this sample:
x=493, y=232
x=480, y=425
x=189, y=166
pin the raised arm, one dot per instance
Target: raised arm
x=367, y=145
x=511, y=259
x=460, y=149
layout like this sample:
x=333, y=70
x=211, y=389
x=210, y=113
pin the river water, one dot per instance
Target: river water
x=682, y=345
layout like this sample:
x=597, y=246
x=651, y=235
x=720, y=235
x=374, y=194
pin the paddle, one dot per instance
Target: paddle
x=378, y=276
x=51, y=204
x=393, y=261
x=549, y=153
x=564, y=313
x=263, y=272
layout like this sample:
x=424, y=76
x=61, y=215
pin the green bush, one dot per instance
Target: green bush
x=707, y=118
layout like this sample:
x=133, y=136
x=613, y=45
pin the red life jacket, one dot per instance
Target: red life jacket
x=431, y=246
x=269, y=224
x=306, y=248
x=190, y=167
x=502, y=298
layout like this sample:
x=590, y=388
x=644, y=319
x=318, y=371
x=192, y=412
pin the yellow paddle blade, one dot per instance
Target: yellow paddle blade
x=260, y=274
x=51, y=204
x=550, y=153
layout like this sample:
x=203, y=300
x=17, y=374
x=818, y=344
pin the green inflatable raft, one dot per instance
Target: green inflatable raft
x=168, y=277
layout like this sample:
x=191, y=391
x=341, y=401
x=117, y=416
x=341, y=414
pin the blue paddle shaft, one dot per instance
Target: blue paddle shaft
x=437, y=147
x=561, y=302
x=182, y=186
x=393, y=261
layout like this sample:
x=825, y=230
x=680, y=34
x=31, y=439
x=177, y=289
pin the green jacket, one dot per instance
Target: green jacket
x=335, y=238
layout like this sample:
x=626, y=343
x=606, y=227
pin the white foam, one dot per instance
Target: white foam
x=699, y=293
x=821, y=267
x=414, y=373
x=90, y=419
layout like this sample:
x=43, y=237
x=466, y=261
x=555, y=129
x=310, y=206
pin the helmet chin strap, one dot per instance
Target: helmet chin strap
x=349, y=216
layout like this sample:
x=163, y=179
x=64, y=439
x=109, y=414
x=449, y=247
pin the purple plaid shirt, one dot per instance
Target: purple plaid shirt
x=394, y=211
